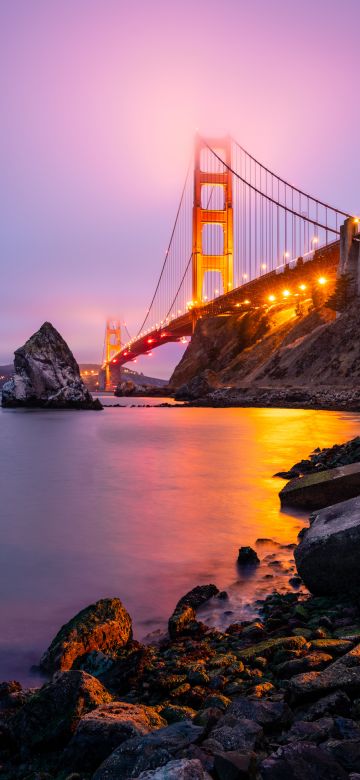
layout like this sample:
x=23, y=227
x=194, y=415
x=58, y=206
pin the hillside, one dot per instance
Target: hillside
x=274, y=348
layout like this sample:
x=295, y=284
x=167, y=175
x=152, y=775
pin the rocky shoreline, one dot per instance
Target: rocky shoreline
x=327, y=399
x=274, y=698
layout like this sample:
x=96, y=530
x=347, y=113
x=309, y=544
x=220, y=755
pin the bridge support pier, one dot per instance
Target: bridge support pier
x=350, y=253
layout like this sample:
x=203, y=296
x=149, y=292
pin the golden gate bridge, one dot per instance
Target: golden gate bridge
x=242, y=237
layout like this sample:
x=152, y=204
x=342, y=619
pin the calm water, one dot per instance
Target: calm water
x=142, y=504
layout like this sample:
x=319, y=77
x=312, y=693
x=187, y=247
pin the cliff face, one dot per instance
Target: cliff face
x=274, y=348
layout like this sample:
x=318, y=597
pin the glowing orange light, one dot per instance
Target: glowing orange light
x=322, y=280
x=114, y=361
x=247, y=302
x=150, y=341
x=263, y=266
x=272, y=298
x=302, y=286
x=286, y=293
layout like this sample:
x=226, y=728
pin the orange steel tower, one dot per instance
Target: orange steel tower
x=112, y=347
x=219, y=176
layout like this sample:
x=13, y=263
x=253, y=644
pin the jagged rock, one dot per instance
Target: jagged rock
x=232, y=733
x=198, y=596
x=299, y=762
x=233, y=765
x=105, y=626
x=184, y=613
x=150, y=752
x=343, y=675
x=47, y=375
x=102, y=730
x=268, y=714
x=327, y=557
x=198, y=387
x=49, y=718
x=125, y=388
x=248, y=557
x=182, y=769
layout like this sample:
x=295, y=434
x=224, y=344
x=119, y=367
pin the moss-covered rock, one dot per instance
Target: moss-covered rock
x=105, y=626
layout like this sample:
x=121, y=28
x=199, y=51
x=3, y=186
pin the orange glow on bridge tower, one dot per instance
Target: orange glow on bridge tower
x=112, y=347
x=203, y=214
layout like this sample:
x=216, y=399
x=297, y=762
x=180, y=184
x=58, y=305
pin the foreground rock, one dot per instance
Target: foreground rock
x=274, y=698
x=104, y=729
x=144, y=753
x=49, y=717
x=315, y=491
x=47, y=375
x=327, y=557
x=105, y=626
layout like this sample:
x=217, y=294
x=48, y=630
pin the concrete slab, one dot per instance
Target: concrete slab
x=315, y=491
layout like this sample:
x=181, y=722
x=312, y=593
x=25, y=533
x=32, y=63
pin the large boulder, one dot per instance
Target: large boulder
x=102, y=730
x=327, y=557
x=47, y=375
x=105, y=626
x=49, y=718
x=302, y=761
x=144, y=753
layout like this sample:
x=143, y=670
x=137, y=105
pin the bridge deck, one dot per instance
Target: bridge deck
x=324, y=262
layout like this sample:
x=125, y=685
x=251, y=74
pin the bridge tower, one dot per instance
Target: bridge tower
x=219, y=176
x=112, y=347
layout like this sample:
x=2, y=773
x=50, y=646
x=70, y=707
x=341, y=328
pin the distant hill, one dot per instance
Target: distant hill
x=90, y=374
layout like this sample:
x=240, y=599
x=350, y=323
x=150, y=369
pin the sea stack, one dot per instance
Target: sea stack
x=47, y=375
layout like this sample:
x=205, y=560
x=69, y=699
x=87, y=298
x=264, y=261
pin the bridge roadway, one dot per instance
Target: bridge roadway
x=266, y=289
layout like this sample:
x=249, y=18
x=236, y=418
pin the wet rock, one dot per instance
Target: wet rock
x=267, y=648
x=47, y=375
x=343, y=674
x=345, y=752
x=327, y=556
x=247, y=557
x=231, y=733
x=104, y=626
x=301, y=761
x=310, y=662
x=182, y=769
x=51, y=715
x=310, y=731
x=102, y=730
x=334, y=646
x=198, y=596
x=235, y=766
x=150, y=752
x=268, y=714
x=180, y=621
x=335, y=703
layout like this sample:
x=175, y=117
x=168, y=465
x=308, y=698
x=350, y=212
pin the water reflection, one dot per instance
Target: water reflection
x=144, y=504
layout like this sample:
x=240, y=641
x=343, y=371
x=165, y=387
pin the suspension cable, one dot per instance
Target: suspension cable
x=286, y=183
x=168, y=249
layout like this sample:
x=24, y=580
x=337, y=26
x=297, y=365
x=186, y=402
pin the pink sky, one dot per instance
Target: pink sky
x=100, y=100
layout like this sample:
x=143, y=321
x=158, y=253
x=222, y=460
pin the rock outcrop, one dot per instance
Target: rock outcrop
x=327, y=557
x=272, y=348
x=47, y=375
x=105, y=626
